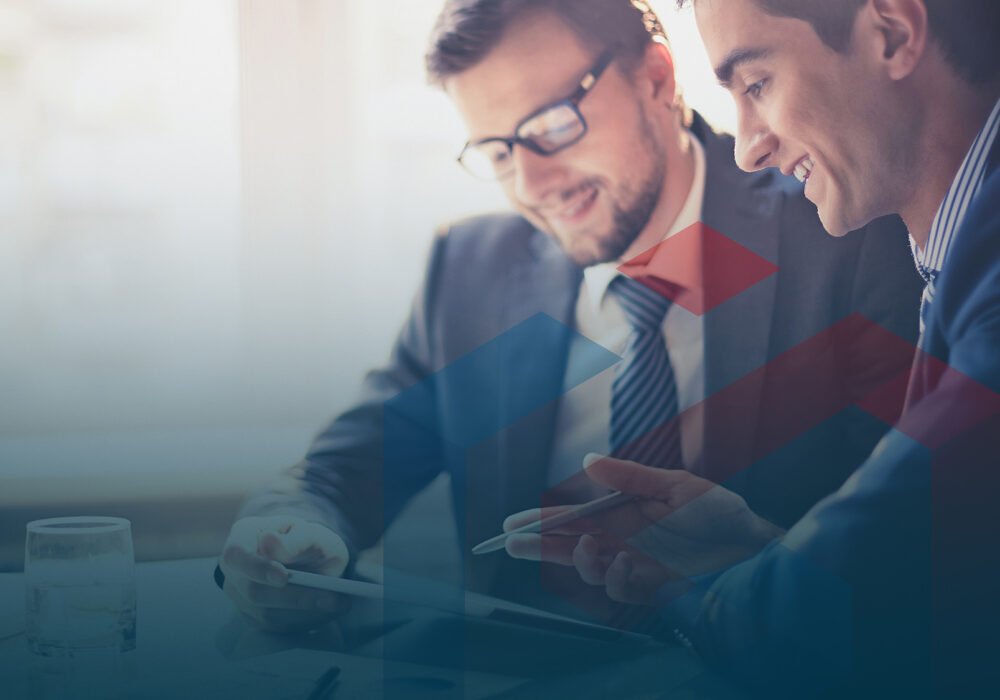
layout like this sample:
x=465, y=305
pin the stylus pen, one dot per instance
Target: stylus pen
x=613, y=499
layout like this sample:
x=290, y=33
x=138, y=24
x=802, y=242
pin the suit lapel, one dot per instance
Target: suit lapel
x=548, y=282
x=737, y=333
x=924, y=377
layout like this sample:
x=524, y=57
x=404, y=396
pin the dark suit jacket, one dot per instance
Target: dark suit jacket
x=890, y=587
x=449, y=374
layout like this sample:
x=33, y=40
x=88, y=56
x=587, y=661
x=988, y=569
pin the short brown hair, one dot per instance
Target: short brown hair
x=966, y=30
x=466, y=30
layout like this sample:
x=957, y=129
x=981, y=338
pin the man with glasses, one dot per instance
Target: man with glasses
x=572, y=106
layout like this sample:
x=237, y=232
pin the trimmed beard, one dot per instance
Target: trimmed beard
x=631, y=221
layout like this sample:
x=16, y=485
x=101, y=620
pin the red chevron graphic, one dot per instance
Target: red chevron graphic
x=699, y=268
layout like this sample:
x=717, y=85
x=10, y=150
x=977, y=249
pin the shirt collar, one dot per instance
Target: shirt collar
x=598, y=278
x=964, y=188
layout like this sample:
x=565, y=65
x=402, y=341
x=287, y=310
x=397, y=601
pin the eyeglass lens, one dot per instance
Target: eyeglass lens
x=554, y=128
x=549, y=131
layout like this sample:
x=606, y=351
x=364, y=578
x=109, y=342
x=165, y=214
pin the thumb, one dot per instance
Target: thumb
x=309, y=546
x=293, y=545
x=273, y=545
x=633, y=478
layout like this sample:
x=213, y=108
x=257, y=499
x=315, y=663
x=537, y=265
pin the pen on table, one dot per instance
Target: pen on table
x=324, y=684
x=615, y=498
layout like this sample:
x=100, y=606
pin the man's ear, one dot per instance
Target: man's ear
x=657, y=71
x=900, y=31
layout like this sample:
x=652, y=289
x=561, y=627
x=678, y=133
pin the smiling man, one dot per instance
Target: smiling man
x=889, y=587
x=873, y=115
x=573, y=108
x=630, y=170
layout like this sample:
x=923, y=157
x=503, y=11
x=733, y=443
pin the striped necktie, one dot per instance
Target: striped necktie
x=644, y=391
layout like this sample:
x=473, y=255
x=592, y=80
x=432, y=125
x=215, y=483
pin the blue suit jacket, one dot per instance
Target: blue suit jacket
x=889, y=587
x=473, y=392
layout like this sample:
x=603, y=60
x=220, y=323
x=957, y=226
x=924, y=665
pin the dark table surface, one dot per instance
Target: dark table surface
x=192, y=644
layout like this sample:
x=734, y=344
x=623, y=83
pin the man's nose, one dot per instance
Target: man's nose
x=756, y=145
x=536, y=176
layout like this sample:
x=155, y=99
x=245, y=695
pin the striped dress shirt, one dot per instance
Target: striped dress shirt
x=964, y=188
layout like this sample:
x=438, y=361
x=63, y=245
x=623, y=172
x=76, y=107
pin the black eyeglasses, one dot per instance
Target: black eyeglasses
x=545, y=132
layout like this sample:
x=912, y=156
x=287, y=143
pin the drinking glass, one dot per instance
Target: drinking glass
x=80, y=600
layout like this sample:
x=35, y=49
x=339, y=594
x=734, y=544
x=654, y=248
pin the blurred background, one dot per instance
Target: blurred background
x=213, y=216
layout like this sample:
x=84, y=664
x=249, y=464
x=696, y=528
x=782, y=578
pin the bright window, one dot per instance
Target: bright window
x=213, y=216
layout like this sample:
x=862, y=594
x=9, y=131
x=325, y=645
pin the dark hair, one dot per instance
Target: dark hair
x=466, y=30
x=966, y=30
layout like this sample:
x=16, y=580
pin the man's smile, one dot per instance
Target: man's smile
x=803, y=169
x=575, y=208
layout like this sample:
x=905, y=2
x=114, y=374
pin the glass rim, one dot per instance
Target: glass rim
x=78, y=525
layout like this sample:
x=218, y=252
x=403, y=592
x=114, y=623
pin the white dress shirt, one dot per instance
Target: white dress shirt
x=584, y=418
